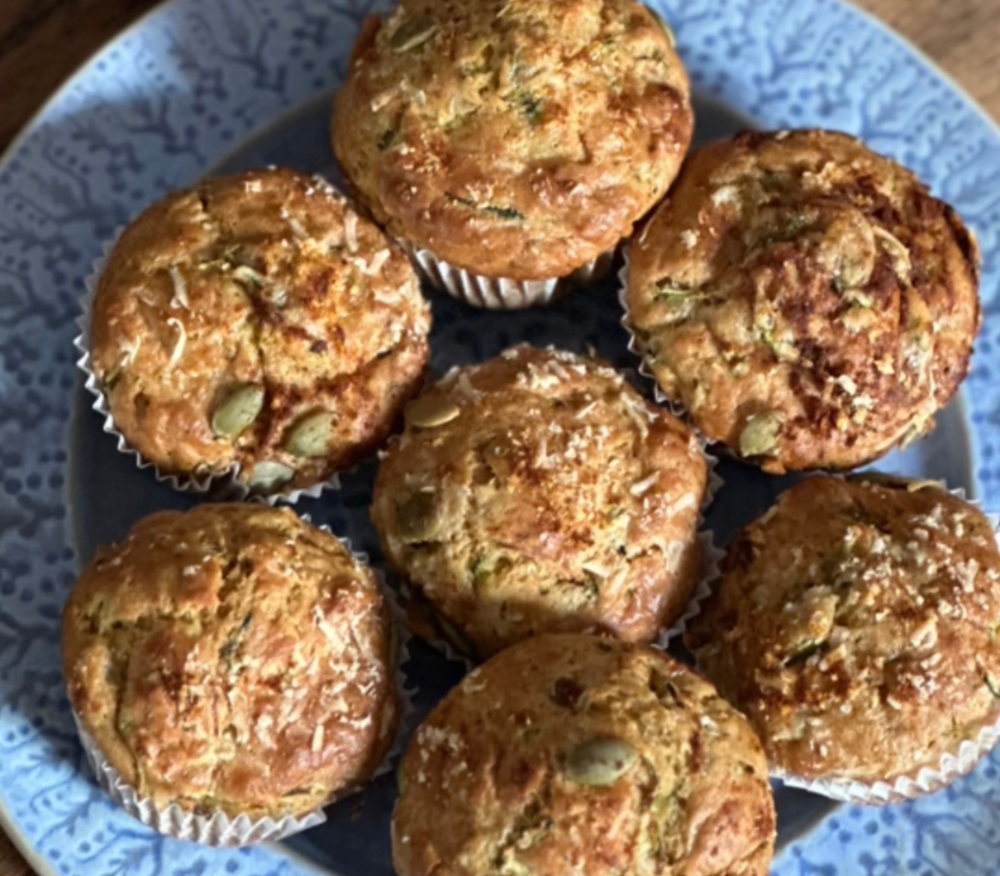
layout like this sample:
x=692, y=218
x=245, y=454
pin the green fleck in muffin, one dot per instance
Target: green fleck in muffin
x=257, y=321
x=570, y=755
x=806, y=300
x=540, y=492
x=856, y=627
x=232, y=659
x=513, y=138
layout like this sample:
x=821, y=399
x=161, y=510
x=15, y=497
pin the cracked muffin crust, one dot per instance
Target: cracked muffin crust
x=257, y=321
x=509, y=137
x=540, y=492
x=806, y=300
x=856, y=627
x=232, y=658
x=572, y=754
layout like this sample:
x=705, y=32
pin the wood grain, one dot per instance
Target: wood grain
x=43, y=41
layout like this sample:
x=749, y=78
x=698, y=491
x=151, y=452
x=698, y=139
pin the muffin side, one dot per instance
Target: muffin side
x=572, y=754
x=257, y=321
x=540, y=492
x=510, y=138
x=806, y=300
x=232, y=658
x=855, y=626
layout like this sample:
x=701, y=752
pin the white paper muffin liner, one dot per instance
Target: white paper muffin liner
x=223, y=486
x=216, y=830
x=221, y=830
x=926, y=781
x=503, y=293
x=952, y=765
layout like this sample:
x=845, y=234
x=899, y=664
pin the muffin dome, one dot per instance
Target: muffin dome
x=257, y=321
x=806, y=300
x=509, y=137
x=540, y=492
x=576, y=755
x=855, y=626
x=232, y=658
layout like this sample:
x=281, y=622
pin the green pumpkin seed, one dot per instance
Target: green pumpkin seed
x=760, y=434
x=599, y=763
x=898, y=252
x=430, y=411
x=412, y=33
x=417, y=517
x=268, y=476
x=854, y=271
x=237, y=410
x=310, y=436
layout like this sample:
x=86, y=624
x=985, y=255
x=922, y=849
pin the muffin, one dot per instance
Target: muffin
x=512, y=138
x=539, y=492
x=257, y=323
x=855, y=626
x=806, y=300
x=571, y=754
x=232, y=659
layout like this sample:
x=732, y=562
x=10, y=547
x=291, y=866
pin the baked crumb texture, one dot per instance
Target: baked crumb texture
x=232, y=658
x=540, y=492
x=509, y=137
x=806, y=300
x=570, y=754
x=257, y=321
x=856, y=627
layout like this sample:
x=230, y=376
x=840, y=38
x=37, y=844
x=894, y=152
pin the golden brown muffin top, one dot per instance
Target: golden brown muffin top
x=578, y=755
x=509, y=137
x=856, y=626
x=232, y=658
x=805, y=299
x=257, y=320
x=540, y=492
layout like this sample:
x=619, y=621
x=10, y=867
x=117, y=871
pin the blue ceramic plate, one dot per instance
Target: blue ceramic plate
x=201, y=86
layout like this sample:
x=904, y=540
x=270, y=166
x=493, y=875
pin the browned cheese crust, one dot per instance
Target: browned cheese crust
x=232, y=658
x=571, y=755
x=510, y=137
x=806, y=300
x=540, y=492
x=234, y=313
x=856, y=626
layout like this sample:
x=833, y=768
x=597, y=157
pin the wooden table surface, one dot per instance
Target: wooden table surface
x=43, y=41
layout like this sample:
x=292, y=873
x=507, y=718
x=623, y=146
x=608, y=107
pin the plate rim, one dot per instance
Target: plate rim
x=148, y=19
